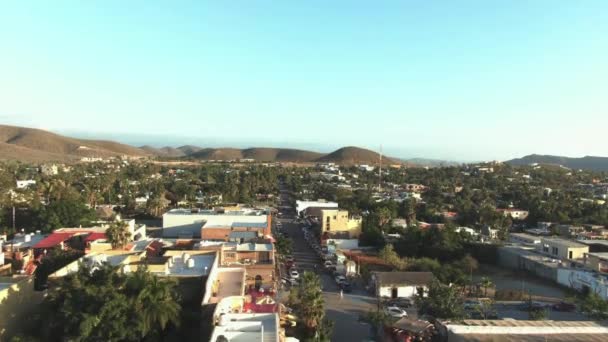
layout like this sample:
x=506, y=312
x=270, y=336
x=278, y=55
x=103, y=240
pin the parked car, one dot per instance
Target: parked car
x=394, y=311
x=289, y=281
x=345, y=286
x=400, y=302
x=340, y=279
x=294, y=274
x=565, y=307
x=328, y=263
x=533, y=306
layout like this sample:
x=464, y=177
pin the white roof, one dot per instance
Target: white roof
x=248, y=327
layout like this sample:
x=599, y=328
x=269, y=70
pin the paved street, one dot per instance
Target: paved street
x=345, y=311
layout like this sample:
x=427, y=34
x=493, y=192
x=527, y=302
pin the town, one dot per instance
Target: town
x=128, y=249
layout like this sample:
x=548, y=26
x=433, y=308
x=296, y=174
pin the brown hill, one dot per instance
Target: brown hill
x=218, y=154
x=167, y=151
x=280, y=154
x=29, y=144
x=189, y=149
x=354, y=155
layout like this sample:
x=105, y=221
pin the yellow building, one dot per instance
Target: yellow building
x=561, y=248
x=336, y=222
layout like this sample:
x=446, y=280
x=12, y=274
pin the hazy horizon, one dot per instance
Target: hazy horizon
x=463, y=80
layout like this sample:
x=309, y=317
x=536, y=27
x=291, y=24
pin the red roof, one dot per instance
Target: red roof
x=95, y=236
x=53, y=240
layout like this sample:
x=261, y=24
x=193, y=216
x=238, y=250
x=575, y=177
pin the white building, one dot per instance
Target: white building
x=186, y=222
x=303, y=205
x=244, y=327
x=400, y=284
x=22, y=184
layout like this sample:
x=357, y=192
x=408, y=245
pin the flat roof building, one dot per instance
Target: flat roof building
x=562, y=249
x=247, y=327
x=188, y=223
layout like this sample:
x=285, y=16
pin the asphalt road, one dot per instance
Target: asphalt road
x=343, y=311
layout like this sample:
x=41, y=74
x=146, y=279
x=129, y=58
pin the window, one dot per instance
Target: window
x=335, y=217
x=569, y=254
x=554, y=250
x=546, y=249
x=229, y=255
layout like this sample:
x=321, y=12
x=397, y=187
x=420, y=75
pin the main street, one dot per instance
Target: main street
x=345, y=311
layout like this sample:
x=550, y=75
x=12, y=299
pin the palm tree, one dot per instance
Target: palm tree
x=156, y=204
x=118, y=234
x=312, y=303
x=158, y=304
x=486, y=283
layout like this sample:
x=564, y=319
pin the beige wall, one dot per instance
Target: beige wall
x=15, y=303
x=333, y=220
x=561, y=250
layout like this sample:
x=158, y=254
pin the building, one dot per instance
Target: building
x=562, y=249
x=568, y=230
x=337, y=223
x=23, y=184
x=400, y=284
x=516, y=214
x=521, y=330
x=597, y=261
x=245, y=327
x=246, y=254
x=302, y=205
x=214, y=224
x=524, y=239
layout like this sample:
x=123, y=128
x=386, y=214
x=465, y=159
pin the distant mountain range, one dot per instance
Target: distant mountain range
x=584, y=163
x=35, y=145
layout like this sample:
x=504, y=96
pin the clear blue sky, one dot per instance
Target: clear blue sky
x=460, y=80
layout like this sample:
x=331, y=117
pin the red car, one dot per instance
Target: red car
x=563, y=306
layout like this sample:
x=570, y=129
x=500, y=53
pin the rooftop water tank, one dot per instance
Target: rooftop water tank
x=190, y=263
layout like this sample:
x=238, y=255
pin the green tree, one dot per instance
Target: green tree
x=388, y=254
x=486, y=283
x=440, y=301
x=103, y=304
x=118, y=234
x=594, y=306
x=311, y=302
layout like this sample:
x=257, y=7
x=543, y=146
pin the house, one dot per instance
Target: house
x=24, y=184
x=597, y=261
x=516, y=214
x=256, y=258
x=400, y=284
x=562, y=249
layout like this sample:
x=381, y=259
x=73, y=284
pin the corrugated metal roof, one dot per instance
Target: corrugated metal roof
x=53, y=240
